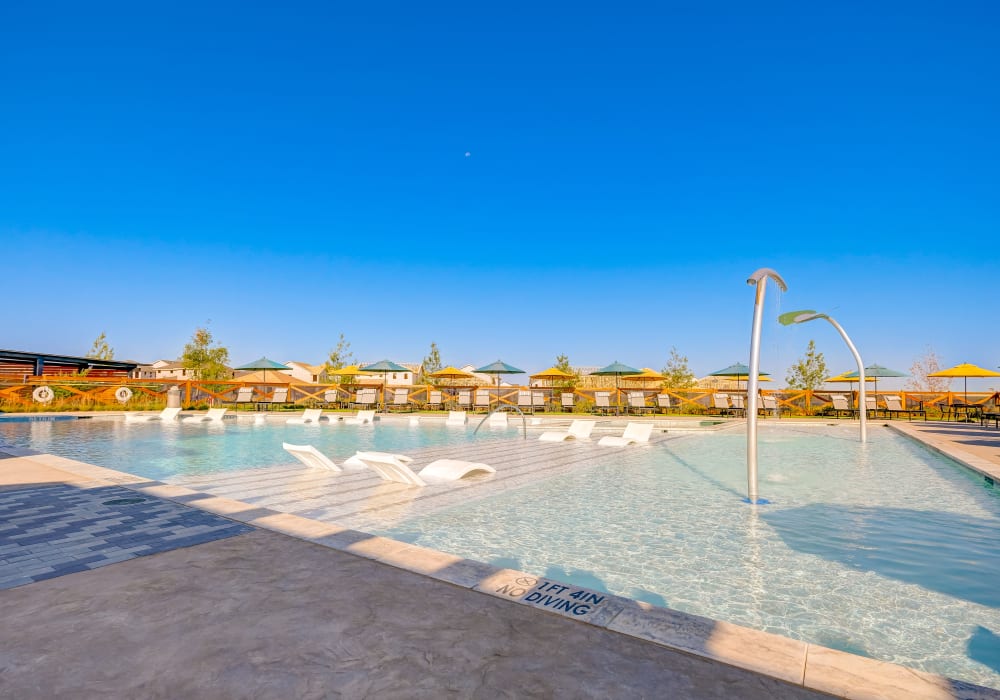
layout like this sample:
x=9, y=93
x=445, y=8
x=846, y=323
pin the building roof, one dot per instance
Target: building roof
x=80, y=363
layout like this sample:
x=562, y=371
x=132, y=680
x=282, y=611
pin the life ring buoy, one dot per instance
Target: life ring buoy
x=43, y=394
x=123, y=394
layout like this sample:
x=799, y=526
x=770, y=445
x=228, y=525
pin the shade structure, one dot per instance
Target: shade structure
x=965, y=370
x=499, y=368
x=617, y=370
x=263, y=364
x=348, y=371
x=876, y=371
x=383, y=367
x=738, y=371
x=844, y=378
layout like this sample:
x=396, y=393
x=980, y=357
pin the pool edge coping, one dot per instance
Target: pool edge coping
x=807, y=665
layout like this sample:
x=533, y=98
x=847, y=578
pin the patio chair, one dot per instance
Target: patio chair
x=331, y=398
x=720, y=405
x=365, y=398
x=738, y=405
x=567, y=400
x=244, y=396
x=400, y=400
x=841, y=406
x=310, y=415
x=397, y=468
x=769, y=406
x=538, y=401
x=894, y=406
x=578, y=430
x=871, y=406
x=213, y=415
x=664, y=402
x=464, y=401
x=278, y=397
x=602, y=402
x=633, y=433
x=482, y=400
x=524, y=401
x=637, y=402
x=434, y=399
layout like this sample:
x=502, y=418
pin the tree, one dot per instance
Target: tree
x=923, y=366
x=340, y=356
x=100, y=350
x=205, y=360
x=562, y=362
x=678, y=374
x=432, y=363
x=809, y=372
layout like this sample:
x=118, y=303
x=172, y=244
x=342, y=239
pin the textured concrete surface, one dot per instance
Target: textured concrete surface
x=264, y=615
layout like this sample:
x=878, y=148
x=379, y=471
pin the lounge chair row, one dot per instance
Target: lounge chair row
x=581, y=429
x=391, y=467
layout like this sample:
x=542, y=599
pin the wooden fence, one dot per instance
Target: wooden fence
x=96, y=394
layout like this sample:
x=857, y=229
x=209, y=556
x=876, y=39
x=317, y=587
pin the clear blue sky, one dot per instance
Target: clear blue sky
x=286, y=174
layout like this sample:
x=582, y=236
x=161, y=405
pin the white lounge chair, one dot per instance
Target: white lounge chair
x=166, y=414
x=578, y=430
x=309, y=415
x=465, y=399
x=310, y=456
x=214, y=415
x=721, y=405
x=664, y=402
x=457, y=418
x=602, y=402
x=392, y=467
x=634, y=433
x=538, y=401
x=361, y=418
x=567, y=400
x=498, y=419
x=366, y=397
x=400, y=400
x=434, y=398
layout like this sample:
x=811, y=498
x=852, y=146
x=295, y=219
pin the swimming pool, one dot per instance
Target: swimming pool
x=883, y=549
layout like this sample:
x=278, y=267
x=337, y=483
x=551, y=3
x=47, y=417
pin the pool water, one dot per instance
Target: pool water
x=159, y=450
x=884, y=549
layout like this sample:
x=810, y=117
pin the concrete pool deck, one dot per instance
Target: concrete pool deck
x=300, y=608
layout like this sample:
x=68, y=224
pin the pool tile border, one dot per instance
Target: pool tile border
x=799, y=663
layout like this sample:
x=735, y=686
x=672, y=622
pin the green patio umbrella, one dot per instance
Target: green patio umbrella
x=736, y=371
x=617, y=369
x=499, y=368
x=383, y=367
x=263, y=364
x=875, y=371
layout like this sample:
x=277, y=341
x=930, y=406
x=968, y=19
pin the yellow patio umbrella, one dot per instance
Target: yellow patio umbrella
x=552, y=373
x=965, y=370
x=647, y=376
x=348, y=371
x=450, y=372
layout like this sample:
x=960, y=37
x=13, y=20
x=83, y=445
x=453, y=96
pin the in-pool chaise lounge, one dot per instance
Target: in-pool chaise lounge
x=361, y=417
x=164, y=415
x=309, y=415
x=311, y=457
x=214, y=415
x=578, y=430
x=634, y=433
x=456, y=418
x=393, y=467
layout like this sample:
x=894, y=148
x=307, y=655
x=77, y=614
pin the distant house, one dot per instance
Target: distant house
x=407, y=378
x=308, y=374
x=165, y=369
